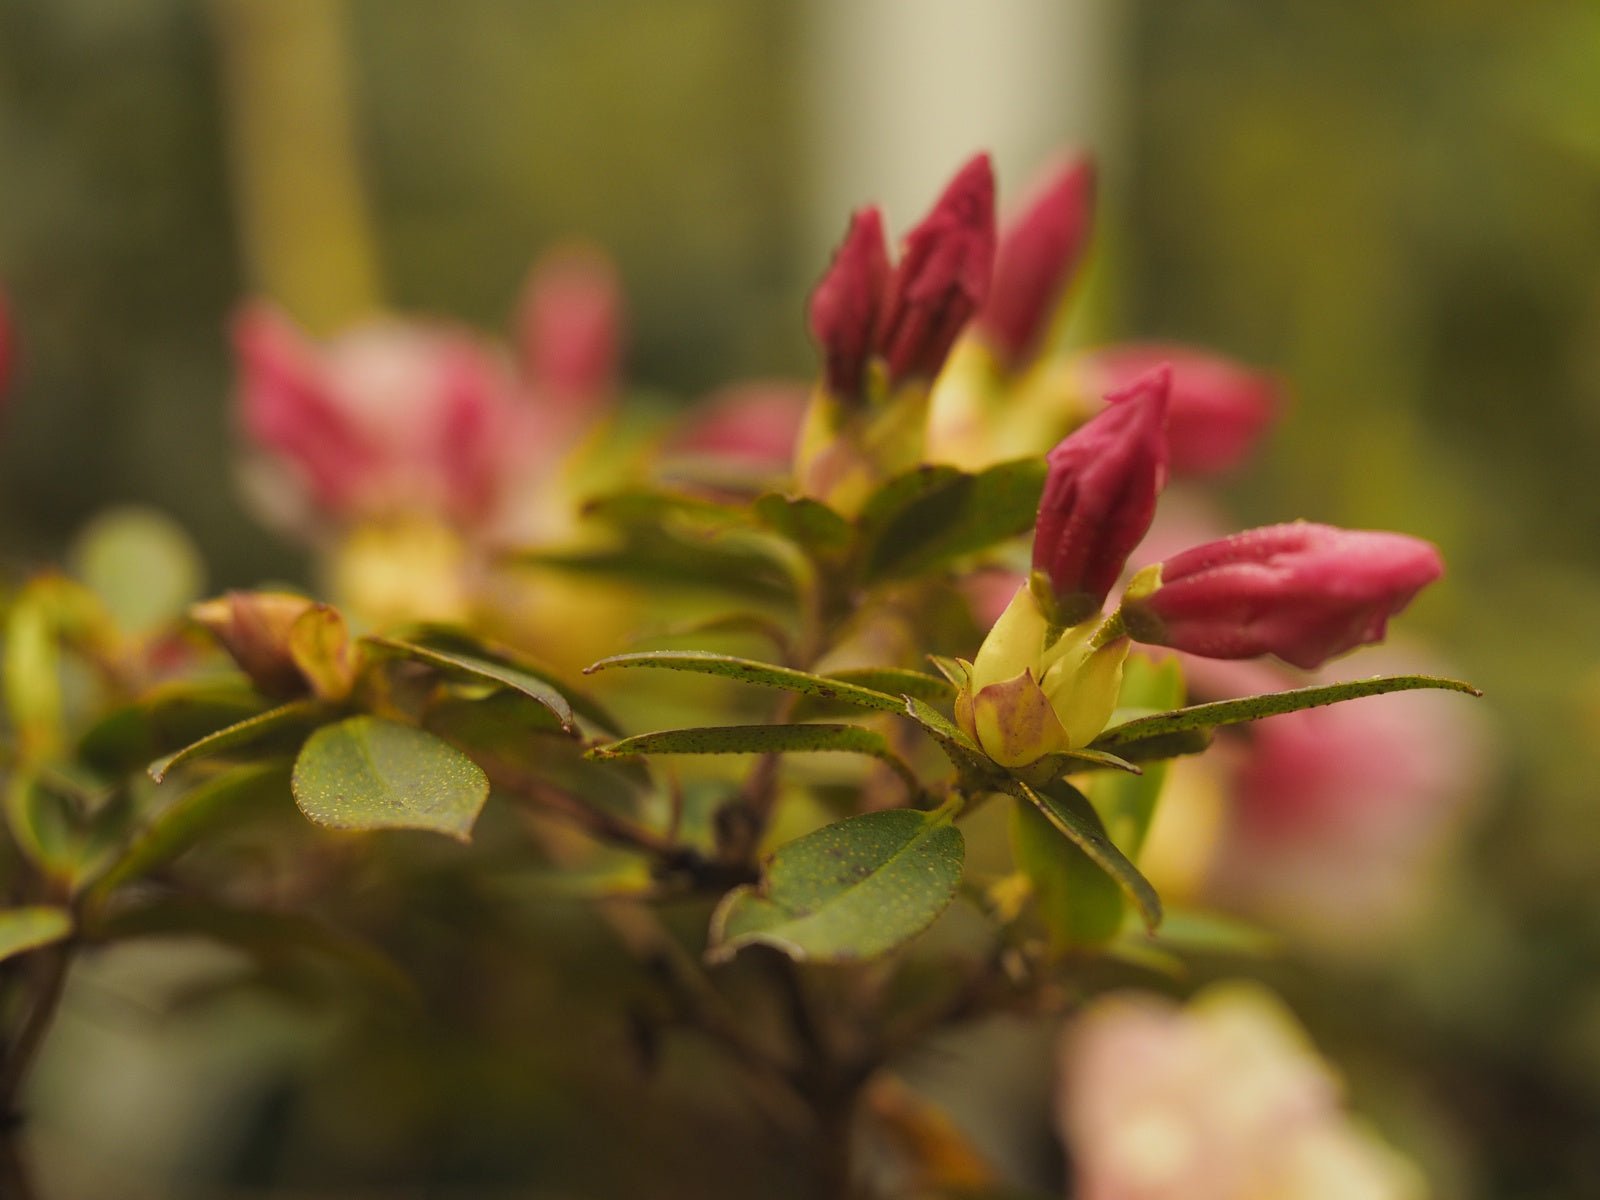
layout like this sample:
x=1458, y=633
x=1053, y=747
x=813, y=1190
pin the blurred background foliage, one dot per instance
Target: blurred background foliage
x=1395, y=203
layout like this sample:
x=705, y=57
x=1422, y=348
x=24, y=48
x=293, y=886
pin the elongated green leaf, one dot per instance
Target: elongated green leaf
x=891, y=681
x=284, y=723
x=501, y=673
x=24, y=929
x=1253, y=708
x=852, y=890
x=1079, y=903
x=1067, y=809
x=368, y=773
x=466, y=648
x=762, y=739
x=648, y=507
x=934, y=514
x=199, y=810
x=167, y=718
x=1196, y=932
x=749, y=671
x=808, y=523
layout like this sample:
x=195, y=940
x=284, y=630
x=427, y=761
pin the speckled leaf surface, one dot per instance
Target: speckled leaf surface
x=852, y=890
x=746, y=670
x=368, y=773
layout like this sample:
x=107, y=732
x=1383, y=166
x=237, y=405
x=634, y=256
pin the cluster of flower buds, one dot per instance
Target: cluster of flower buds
x=416, y=419
x=1003, y=395
x=1302, y=592
x=885, y=331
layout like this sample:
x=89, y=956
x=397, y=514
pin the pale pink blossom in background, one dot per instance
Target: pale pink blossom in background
x=750, y=426
x=1221, y=1099
x=1220, y=407
x=418, y=419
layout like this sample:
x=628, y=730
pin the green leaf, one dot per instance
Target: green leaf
x=1195, y=932
x=1253, y=708
x=1128, y=805
x=748, y=670
x=368, y=773
x=490, y=670
x=890, y=681
x=1067, y=809
x=763, y=739
x=1079, y=903
x=466, y=648
x=198, y=811
x=852, y=890
x=810, y=524
x=978, y=772
x=957, y=671
x=291, y=719
x=167, y=718
x=649, y=507
x=24, y=929
x=933, y=514
x=141, y=563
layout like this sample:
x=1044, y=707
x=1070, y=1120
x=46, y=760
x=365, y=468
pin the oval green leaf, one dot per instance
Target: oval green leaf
x=368, y=773
x=852, y=890
x=934, y=514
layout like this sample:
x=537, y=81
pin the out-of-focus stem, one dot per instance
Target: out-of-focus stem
x=303, y=218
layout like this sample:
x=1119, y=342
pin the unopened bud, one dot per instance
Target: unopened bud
x=1301, y=591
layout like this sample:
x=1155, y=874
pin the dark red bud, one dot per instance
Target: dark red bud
x=845, y=305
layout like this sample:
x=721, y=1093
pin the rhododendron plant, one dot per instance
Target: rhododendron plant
x=811, y=913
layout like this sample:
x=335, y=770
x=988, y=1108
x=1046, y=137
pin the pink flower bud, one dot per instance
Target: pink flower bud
x=569, y=327
x=1220, y=408
x=1040, y=252
x=846, y=302
x=1301, y=591
x=1100, y=497
x=942, y=277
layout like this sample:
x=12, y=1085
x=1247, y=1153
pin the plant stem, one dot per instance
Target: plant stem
x=22, y=1050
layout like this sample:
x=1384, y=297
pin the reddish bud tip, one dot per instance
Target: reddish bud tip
x=569, y=326
x=1040, y=252
x=1301, y=591
x=846, y=303
x=942, y=277
x=1220, y=408
x=1100, y=497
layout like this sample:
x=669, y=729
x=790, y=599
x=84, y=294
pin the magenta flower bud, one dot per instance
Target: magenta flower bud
x=1100, y=497
x=1301, y=591
x=845, y=305
x=569, y=327
x=942, y=277
x=1040, y=252
x=1220, y=408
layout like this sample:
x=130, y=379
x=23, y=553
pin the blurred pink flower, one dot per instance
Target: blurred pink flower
x=750, y=425
x=1220, y=408
x=1100, y=497
x=405, y=417
x=1301, y=591
x=1223, y=1099
x=1039, y=252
